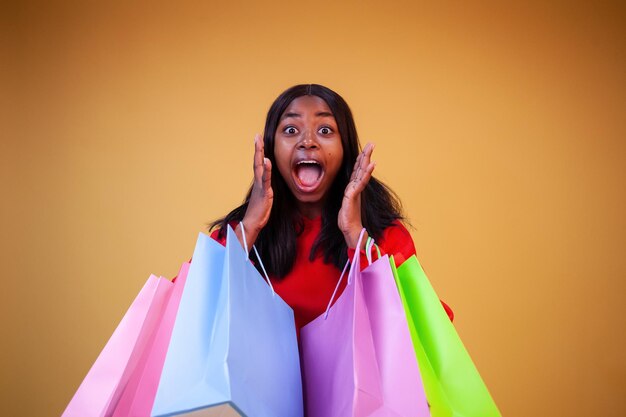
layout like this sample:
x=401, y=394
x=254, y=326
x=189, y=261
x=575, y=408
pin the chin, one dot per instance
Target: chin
x=312, y=201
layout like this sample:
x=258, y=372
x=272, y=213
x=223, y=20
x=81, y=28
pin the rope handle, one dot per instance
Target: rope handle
x=368, y=249
x=355, y=261
x=245, y=246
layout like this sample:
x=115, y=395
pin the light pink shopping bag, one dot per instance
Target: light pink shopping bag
x=100, y=391
x=403, y=390
x=138, y=396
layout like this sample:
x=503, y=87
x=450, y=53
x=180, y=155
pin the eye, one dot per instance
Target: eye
x=290, y=130
x=325, y=130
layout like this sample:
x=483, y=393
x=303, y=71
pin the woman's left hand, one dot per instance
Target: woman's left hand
x=349, y=219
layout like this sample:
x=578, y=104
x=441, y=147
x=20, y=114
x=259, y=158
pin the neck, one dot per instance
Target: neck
x=310, y=210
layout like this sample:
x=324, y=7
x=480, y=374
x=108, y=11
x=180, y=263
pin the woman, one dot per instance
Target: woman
x=313, y=192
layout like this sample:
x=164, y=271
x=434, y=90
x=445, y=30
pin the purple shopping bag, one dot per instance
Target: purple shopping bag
x=138, y=396
x=100, y=391
x=358, y=358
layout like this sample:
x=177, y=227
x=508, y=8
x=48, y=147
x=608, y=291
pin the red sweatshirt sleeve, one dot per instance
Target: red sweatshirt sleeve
x=396, y=241
x=215, y=235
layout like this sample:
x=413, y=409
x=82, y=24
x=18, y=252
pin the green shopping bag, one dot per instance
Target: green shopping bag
x=452, y=383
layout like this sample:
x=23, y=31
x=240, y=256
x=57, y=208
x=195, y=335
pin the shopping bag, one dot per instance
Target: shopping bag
x=100, y=391
x=403, y=390
x=438, y=404
x=233, y=349
x=358, y=358
x=137, y=398
x=452, y=382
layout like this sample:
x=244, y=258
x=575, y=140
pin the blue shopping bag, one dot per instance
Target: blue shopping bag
x=233, y=347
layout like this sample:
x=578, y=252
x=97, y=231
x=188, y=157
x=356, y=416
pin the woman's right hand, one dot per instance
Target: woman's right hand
x=261, y=197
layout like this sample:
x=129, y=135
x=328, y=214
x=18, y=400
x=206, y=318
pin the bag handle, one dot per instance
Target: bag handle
x=336, y=288
x=368, y=249
x=245, y=246
x=355, y=261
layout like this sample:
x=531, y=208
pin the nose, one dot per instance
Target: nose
x=308, y=140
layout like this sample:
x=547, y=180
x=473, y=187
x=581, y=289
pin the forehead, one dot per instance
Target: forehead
x=307, y=105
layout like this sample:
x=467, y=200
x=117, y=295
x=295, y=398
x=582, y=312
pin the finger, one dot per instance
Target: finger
x=367, y=154
x=356, y=167
x=358, y=171
x=259, y=156
x=267, y=174
x=364, y=179
x=363, y=160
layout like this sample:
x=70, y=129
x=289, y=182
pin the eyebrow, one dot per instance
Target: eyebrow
x=318, y=114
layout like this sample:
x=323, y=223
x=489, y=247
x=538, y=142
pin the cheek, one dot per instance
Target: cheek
x=283, y=160
x=334, y=150
x=337, y=155
x=336, y=158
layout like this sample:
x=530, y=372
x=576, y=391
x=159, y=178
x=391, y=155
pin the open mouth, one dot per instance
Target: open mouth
x=308, y=174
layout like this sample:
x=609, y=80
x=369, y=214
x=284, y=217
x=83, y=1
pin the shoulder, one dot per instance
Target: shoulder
x=397, y=241
x=397, y=231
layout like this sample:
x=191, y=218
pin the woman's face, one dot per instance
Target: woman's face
x=308, y=152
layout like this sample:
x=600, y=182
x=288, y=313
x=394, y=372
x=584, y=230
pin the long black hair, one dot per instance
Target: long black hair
x=277, y=240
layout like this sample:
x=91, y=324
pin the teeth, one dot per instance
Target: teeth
x=308, y=162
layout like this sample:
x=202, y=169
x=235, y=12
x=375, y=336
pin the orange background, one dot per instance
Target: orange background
x=125, y=128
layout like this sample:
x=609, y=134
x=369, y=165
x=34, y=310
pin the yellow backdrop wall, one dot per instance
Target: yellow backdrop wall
x=125, y=128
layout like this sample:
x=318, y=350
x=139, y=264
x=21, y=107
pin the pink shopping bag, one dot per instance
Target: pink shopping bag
x=358, y=358
x=100, y=391
x=138, y=396
x=402, y=385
